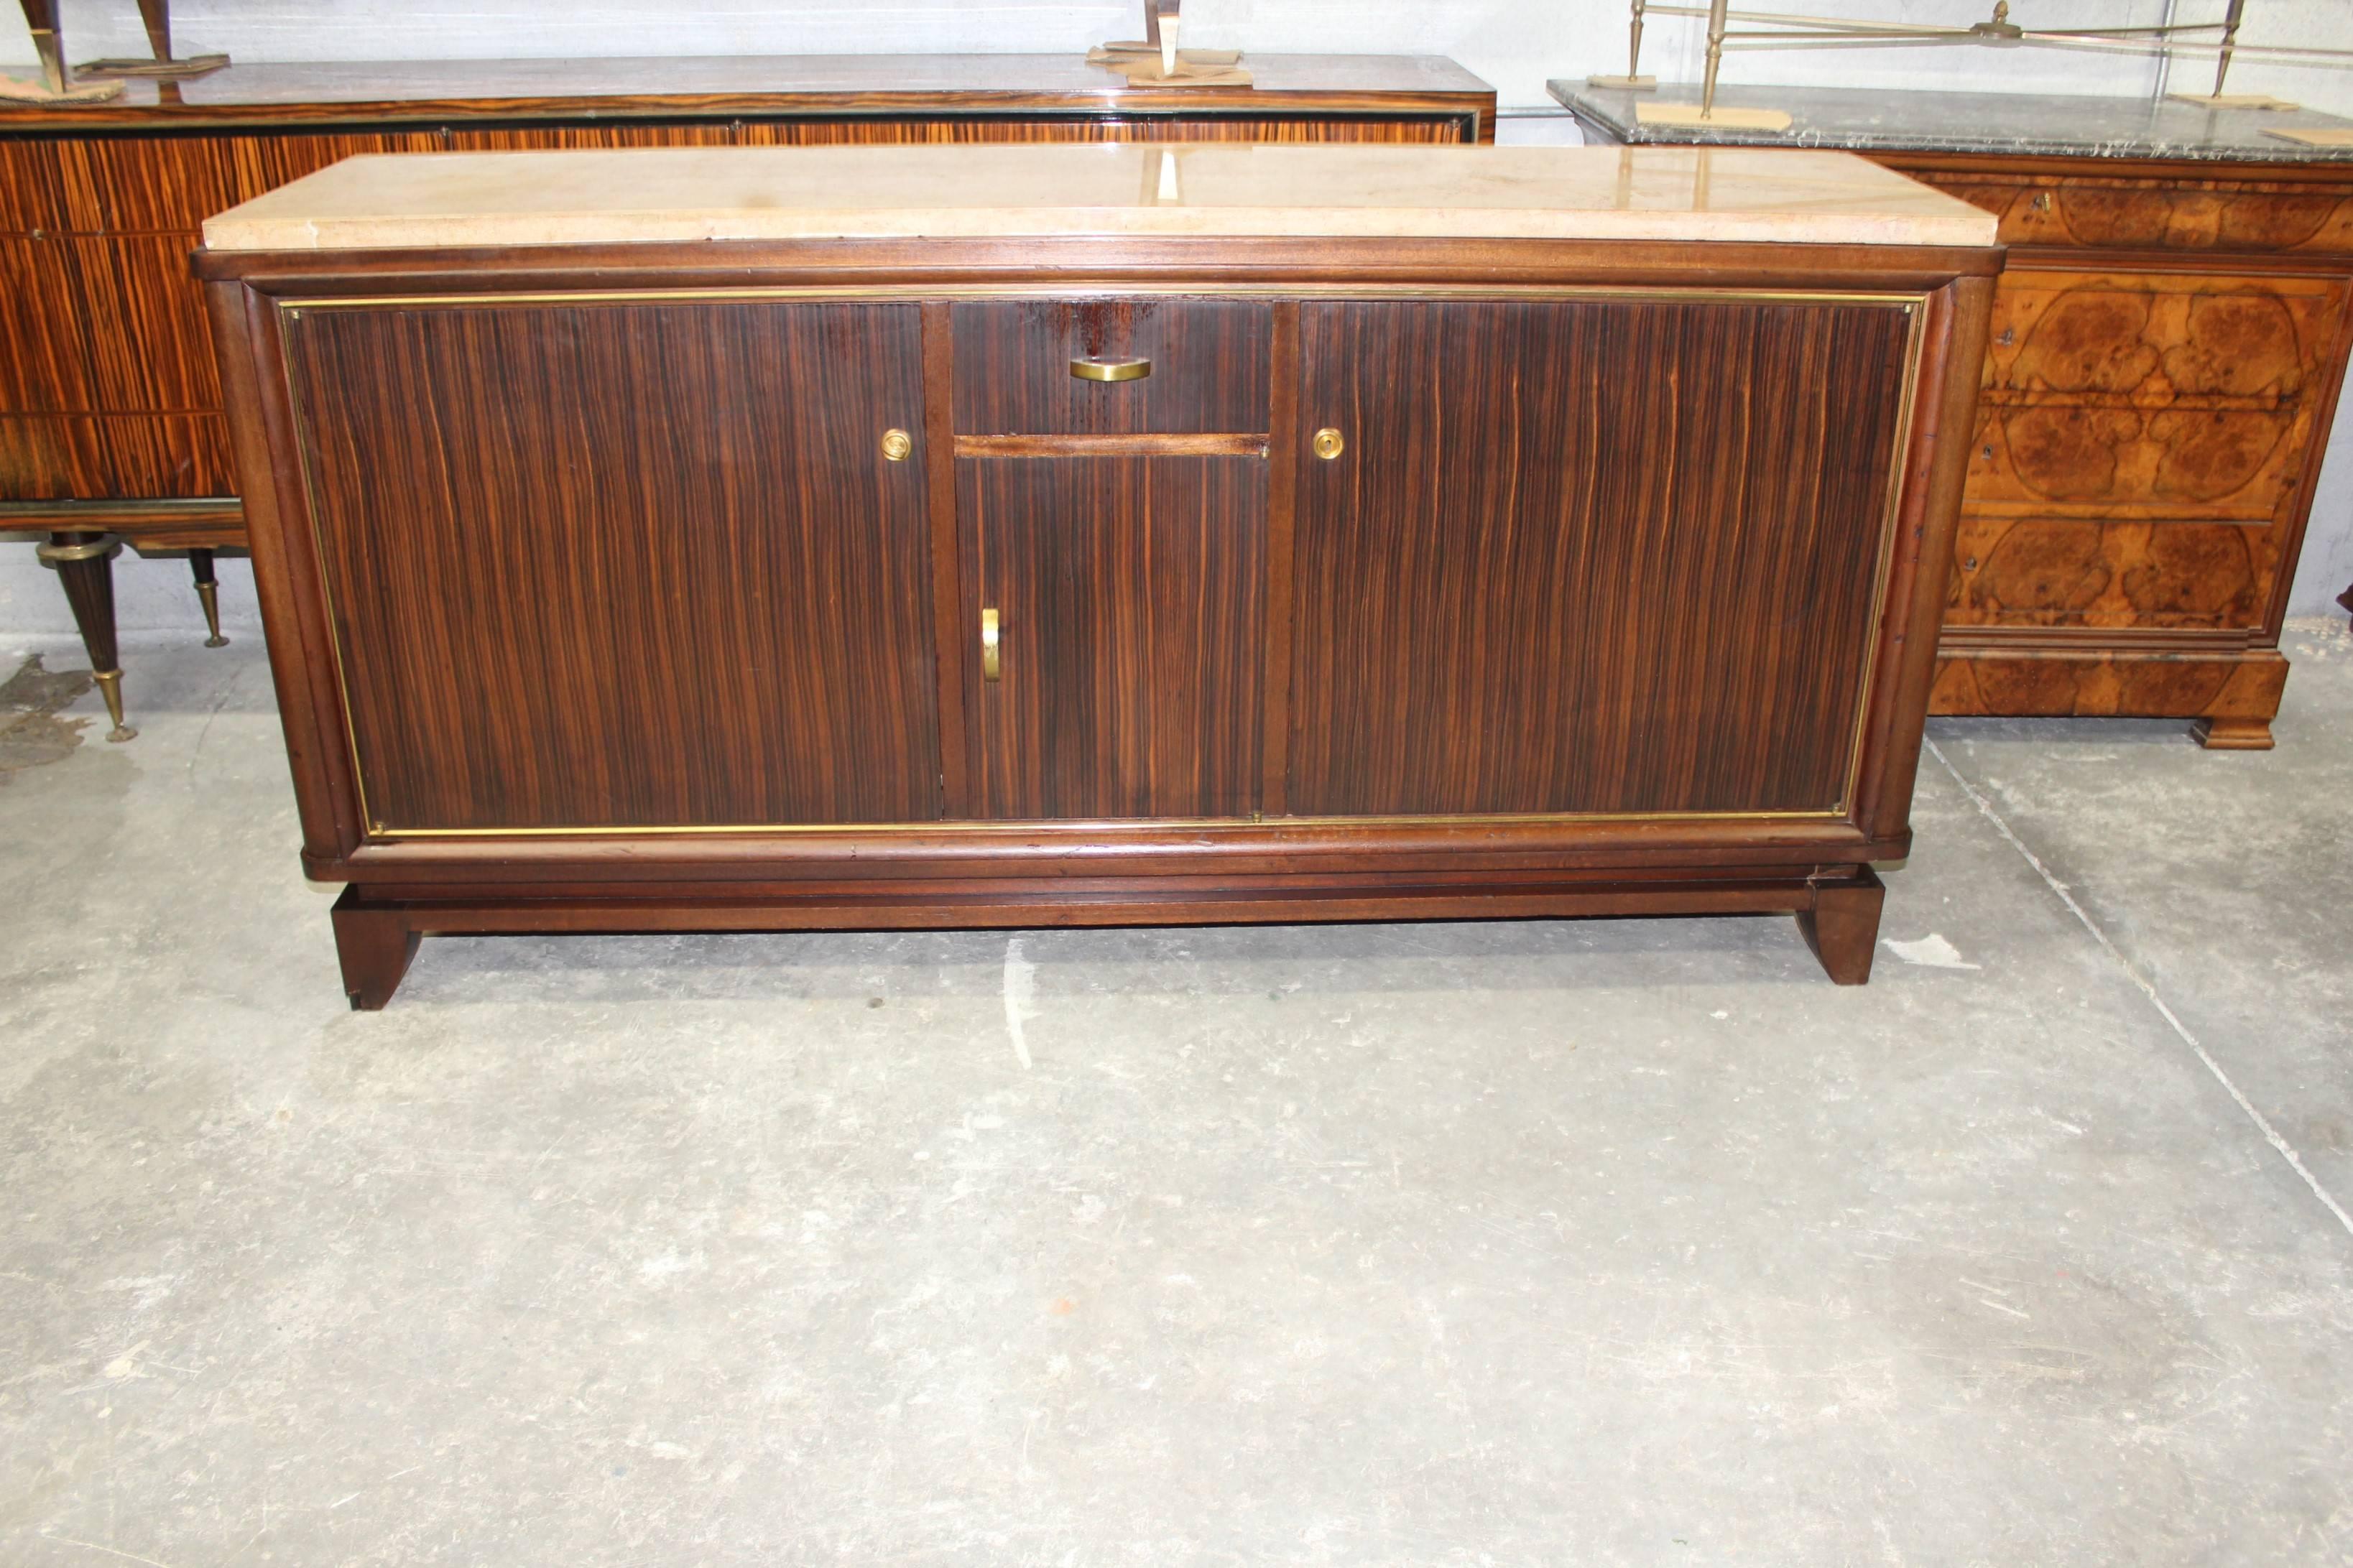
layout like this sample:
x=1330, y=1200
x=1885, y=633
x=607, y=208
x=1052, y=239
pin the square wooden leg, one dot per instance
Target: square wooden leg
x=376, y=946
x=1843, y=928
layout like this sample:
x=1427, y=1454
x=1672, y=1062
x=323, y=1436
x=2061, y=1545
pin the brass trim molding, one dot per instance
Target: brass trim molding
x=105, y=547
x=1097, y=826
x=1103, y=289
x=1910, y=303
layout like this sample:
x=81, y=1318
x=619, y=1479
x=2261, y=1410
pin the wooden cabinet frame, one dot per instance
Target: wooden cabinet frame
x=959, y=873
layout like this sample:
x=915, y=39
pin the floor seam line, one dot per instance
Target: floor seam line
x=2263, y=1123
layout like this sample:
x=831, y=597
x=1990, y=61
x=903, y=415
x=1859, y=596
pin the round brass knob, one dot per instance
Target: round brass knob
x=896, y=445
x=1328, y=443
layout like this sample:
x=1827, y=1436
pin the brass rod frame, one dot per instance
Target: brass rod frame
x=1793, y=30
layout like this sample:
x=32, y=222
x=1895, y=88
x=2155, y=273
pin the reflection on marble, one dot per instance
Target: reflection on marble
x=1887, y=120
x=697, y=194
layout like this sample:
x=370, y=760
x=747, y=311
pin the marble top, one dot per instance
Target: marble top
x=791, y=193
x=1888, y=119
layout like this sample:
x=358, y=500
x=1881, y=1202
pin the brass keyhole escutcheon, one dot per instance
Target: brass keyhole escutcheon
x=896, y=445
x=1328, y=443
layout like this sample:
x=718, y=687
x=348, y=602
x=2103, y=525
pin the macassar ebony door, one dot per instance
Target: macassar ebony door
x=1112, y=495
x=1602, y=554
x=624, y=563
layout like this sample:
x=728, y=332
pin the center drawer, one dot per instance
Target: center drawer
x=1121, y=366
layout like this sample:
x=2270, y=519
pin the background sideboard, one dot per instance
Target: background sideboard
x=111, y=429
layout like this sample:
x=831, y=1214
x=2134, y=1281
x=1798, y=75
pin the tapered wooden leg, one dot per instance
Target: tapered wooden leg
x=84, y=564
x=200, y=562
x=2234, y=734
x=376, y=946
x=1843, y=928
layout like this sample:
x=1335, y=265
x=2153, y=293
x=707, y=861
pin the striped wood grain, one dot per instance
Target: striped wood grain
x=1588, y=556
x=626, y=565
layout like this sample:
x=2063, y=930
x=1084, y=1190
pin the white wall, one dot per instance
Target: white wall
x=1515, y=44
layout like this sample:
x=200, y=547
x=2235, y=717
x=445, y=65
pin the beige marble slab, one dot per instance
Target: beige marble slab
x=792, y=192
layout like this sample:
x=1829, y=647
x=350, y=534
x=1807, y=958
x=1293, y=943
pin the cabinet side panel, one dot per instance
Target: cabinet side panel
x=1590, y=556
x=623, y=564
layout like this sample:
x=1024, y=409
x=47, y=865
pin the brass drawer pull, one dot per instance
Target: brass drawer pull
x=991, y=664
x=896, y=445
x=1110, y=369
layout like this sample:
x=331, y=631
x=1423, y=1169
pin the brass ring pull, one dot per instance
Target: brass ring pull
x=991, y=664
x=1110, y=369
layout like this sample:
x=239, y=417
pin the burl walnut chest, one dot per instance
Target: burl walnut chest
x=2169, y=339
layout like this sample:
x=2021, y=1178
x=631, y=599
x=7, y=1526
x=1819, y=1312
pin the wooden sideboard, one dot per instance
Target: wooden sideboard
x=2169, y=341
x=1197, y=536
x=110, y=428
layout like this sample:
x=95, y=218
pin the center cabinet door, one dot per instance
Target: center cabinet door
x=1117, y=532
x=601, y=565
x=1589, y=555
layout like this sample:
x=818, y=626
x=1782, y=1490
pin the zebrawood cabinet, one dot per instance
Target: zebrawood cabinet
x=1067, y=581
x=110, y=426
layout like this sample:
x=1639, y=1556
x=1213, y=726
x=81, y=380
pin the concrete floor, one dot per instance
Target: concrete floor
x=1616, y=1242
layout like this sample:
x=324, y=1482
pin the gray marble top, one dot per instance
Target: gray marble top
x=1888, y=119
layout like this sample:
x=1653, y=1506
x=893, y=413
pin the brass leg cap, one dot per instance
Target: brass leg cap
x=109, y=686
x=208, y=593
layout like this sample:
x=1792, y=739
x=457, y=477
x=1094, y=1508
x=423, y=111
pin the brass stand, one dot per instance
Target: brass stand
x=157, y=16
x=57, y=84
x=1156, y=61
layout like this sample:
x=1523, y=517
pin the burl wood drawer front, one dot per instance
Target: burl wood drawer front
x=2249, y=216
x=1590, y=556
x=1206, y=359
x=597, y=566
x=2033, y=572
x=2151, y=395
x=1130, y=602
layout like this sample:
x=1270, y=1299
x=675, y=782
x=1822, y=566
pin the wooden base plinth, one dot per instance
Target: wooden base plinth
x=377, y=936
x=2234, y=734
x=2235, y=696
